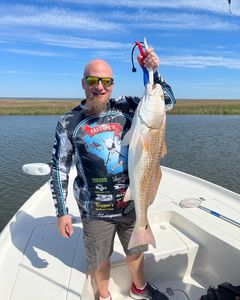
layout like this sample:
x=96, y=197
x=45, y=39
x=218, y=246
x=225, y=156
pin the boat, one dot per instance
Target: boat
x=197, y=245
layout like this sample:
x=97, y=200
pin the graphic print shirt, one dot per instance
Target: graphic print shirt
x=94, y=143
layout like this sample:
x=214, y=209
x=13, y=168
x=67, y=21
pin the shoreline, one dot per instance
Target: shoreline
x=44, y=106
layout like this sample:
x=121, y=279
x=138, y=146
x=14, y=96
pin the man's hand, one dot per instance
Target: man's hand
x=151, y=61
x=64, y=225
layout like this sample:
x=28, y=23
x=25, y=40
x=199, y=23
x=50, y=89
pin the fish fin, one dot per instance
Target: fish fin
x=145, y=139
x=127, y=195
x=127, y=137
x=142, y=236
x=155, y=185
x=164, y=149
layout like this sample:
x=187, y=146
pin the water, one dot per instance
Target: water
x=24, y=139
x=204, y=146
x=207, y=147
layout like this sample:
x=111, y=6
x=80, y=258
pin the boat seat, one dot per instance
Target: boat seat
x=170, y=242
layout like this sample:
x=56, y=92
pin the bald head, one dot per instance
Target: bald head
x=99, y=68
x=97, y=95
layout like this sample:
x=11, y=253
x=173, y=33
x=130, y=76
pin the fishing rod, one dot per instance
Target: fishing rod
x=196, y=202
x=229, y=4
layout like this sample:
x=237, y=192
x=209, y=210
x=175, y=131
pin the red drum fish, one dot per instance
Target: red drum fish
x=147, y=145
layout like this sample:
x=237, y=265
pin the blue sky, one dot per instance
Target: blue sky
x=44, y=45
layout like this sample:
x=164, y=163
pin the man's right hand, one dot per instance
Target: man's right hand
x=64, y=225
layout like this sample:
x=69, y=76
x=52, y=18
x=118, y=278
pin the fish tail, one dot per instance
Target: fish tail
x=142, y=236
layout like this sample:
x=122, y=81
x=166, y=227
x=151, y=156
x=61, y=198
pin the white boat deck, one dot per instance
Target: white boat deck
x=194, y=248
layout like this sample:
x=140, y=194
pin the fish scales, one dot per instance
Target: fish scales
x=157, y=139
x=146, y=140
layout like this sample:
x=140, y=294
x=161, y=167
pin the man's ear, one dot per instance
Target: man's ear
x=83, y=83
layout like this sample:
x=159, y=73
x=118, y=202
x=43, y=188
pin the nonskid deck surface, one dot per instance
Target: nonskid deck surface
x=57, y=266
x=38, y=263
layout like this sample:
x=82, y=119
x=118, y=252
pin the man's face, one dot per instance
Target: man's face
x=98, y=94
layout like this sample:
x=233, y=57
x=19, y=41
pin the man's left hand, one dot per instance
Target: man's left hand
x=151, y=61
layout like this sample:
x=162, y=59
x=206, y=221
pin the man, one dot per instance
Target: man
x=92, y=133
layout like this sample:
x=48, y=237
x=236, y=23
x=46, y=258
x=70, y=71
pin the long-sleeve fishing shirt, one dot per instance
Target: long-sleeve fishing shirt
x=93, y=144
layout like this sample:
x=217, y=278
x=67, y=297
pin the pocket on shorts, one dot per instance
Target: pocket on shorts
x=97, y=250
x=90, y=249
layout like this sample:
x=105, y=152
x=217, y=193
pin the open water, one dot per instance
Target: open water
x=201, y=145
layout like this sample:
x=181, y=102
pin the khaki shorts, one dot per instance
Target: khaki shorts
x=99, y=236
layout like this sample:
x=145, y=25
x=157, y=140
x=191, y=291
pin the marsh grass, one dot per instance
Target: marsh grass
x=36, y=107
x=58, y=107
x=209, y=107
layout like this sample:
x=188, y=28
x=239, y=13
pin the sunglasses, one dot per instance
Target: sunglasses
x=93, y=80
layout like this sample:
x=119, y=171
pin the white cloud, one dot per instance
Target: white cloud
x=20, y=15
x=33, y=52
x=207, y=5
x=175, y=21
x=33, y=18
x=81, y=43
x=9, y=72
x=199, y=61
x=195, y=61
x=144, y=15
x=5, y=42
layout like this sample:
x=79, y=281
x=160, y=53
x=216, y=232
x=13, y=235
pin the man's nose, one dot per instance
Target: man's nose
x=100, y=85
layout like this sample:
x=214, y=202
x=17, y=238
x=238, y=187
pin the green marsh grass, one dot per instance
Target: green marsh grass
x=207, y=107
x=36, y=107
x=59, y=107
